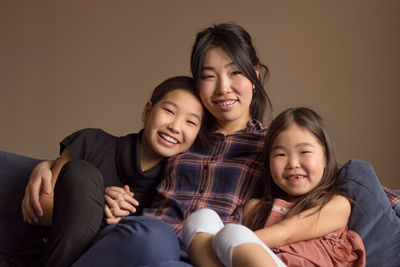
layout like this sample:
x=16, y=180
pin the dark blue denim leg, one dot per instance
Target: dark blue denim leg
x=134, y=241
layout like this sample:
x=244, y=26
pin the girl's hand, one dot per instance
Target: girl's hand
x=39, y=181
x=119, y=203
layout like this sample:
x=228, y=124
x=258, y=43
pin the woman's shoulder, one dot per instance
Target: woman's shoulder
x=256, y=126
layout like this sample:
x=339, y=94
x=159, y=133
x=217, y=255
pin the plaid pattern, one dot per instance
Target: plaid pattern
x=393, y=196
x=221, y=177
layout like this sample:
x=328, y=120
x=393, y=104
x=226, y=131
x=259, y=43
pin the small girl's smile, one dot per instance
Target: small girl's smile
x=297, y=161
x=295, y=177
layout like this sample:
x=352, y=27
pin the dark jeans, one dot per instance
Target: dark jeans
x=134, y=241
x=77, y=218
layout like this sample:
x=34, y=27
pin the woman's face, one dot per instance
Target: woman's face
x=225, y=91
x=172, y=124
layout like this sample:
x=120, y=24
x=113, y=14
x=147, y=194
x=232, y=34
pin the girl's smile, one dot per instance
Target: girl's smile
x=171, y=125
x=297, y=161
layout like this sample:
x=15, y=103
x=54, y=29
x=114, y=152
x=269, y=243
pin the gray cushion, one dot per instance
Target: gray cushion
x=372, y=216
x=14, y=174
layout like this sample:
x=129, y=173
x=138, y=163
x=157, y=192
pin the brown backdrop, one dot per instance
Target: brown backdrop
x=67, y=65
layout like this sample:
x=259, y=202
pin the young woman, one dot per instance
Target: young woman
x=91, y=159
x=222, y=175
x=302, y=216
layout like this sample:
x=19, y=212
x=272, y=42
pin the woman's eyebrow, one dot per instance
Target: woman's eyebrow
x=203, y=68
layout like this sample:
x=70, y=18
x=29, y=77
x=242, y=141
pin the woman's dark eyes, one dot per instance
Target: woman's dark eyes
x=205, y=76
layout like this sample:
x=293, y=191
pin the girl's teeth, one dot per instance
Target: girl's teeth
x=226, y=103
x=169, y=138
x=295, y=177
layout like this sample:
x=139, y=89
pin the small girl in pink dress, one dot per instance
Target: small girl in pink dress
x=301, y=220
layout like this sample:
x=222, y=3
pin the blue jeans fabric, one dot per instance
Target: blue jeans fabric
x=134, y=241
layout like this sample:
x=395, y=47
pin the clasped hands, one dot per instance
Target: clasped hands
x=119, y=202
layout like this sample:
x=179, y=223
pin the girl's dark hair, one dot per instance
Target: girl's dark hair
x=237, y=43
x=323, y=192
x=178, y=82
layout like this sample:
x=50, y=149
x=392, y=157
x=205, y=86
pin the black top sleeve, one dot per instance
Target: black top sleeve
x=97, y=147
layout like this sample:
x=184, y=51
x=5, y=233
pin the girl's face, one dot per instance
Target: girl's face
x=172, y=124
x=225, y=91
x=297, y=161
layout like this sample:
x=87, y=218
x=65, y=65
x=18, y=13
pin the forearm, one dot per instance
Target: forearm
x=46, y=199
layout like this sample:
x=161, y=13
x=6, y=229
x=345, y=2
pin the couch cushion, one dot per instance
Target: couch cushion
x=14, y=174
x=372, y=216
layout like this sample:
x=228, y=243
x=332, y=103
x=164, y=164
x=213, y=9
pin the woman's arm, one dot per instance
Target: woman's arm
x=330, y=218
x=37, y=204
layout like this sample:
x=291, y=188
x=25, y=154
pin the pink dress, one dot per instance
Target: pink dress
x=341, y=248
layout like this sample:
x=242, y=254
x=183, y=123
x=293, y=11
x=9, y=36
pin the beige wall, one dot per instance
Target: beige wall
x=67, y=65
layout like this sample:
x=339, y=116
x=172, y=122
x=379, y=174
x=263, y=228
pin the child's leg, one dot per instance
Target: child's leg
x=236, y=245
x=134, y=241
x=198, y=231
x=78, y=212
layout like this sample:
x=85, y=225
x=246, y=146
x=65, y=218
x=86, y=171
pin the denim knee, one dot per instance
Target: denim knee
x=134, y=241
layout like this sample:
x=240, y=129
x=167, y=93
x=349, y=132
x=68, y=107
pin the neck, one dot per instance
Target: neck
x=148, y=159
x=229, y=127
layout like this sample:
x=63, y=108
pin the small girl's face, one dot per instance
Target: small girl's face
x=225, y=91
x=172, y=124
x=297, y=161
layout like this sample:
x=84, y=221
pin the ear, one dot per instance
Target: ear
x=257, y=70
x=146, y=110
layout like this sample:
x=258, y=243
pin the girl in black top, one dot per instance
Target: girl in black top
x=97, y=171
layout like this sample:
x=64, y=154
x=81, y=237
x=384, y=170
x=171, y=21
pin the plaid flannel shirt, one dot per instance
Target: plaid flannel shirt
x=221, y=177
x=393, y=196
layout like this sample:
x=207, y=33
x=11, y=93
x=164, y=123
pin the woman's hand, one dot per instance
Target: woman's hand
x=39, y=181
x=119, y=203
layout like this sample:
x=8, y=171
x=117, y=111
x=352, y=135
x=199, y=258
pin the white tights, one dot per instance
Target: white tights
x=226, y=238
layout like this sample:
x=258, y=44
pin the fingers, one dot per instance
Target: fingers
x=121, y=195
x=47, y=188
x=28, y=212
x=128, y=190
x=34, y=191
x=109, y=217
x=117, y=209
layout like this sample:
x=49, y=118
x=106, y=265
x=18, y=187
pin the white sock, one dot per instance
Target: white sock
x=233, y=235
x=203, y=220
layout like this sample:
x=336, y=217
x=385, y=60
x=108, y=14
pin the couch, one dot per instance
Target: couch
x=373, y=217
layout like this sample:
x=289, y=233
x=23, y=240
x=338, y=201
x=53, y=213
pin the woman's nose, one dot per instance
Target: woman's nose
x=223, y=85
